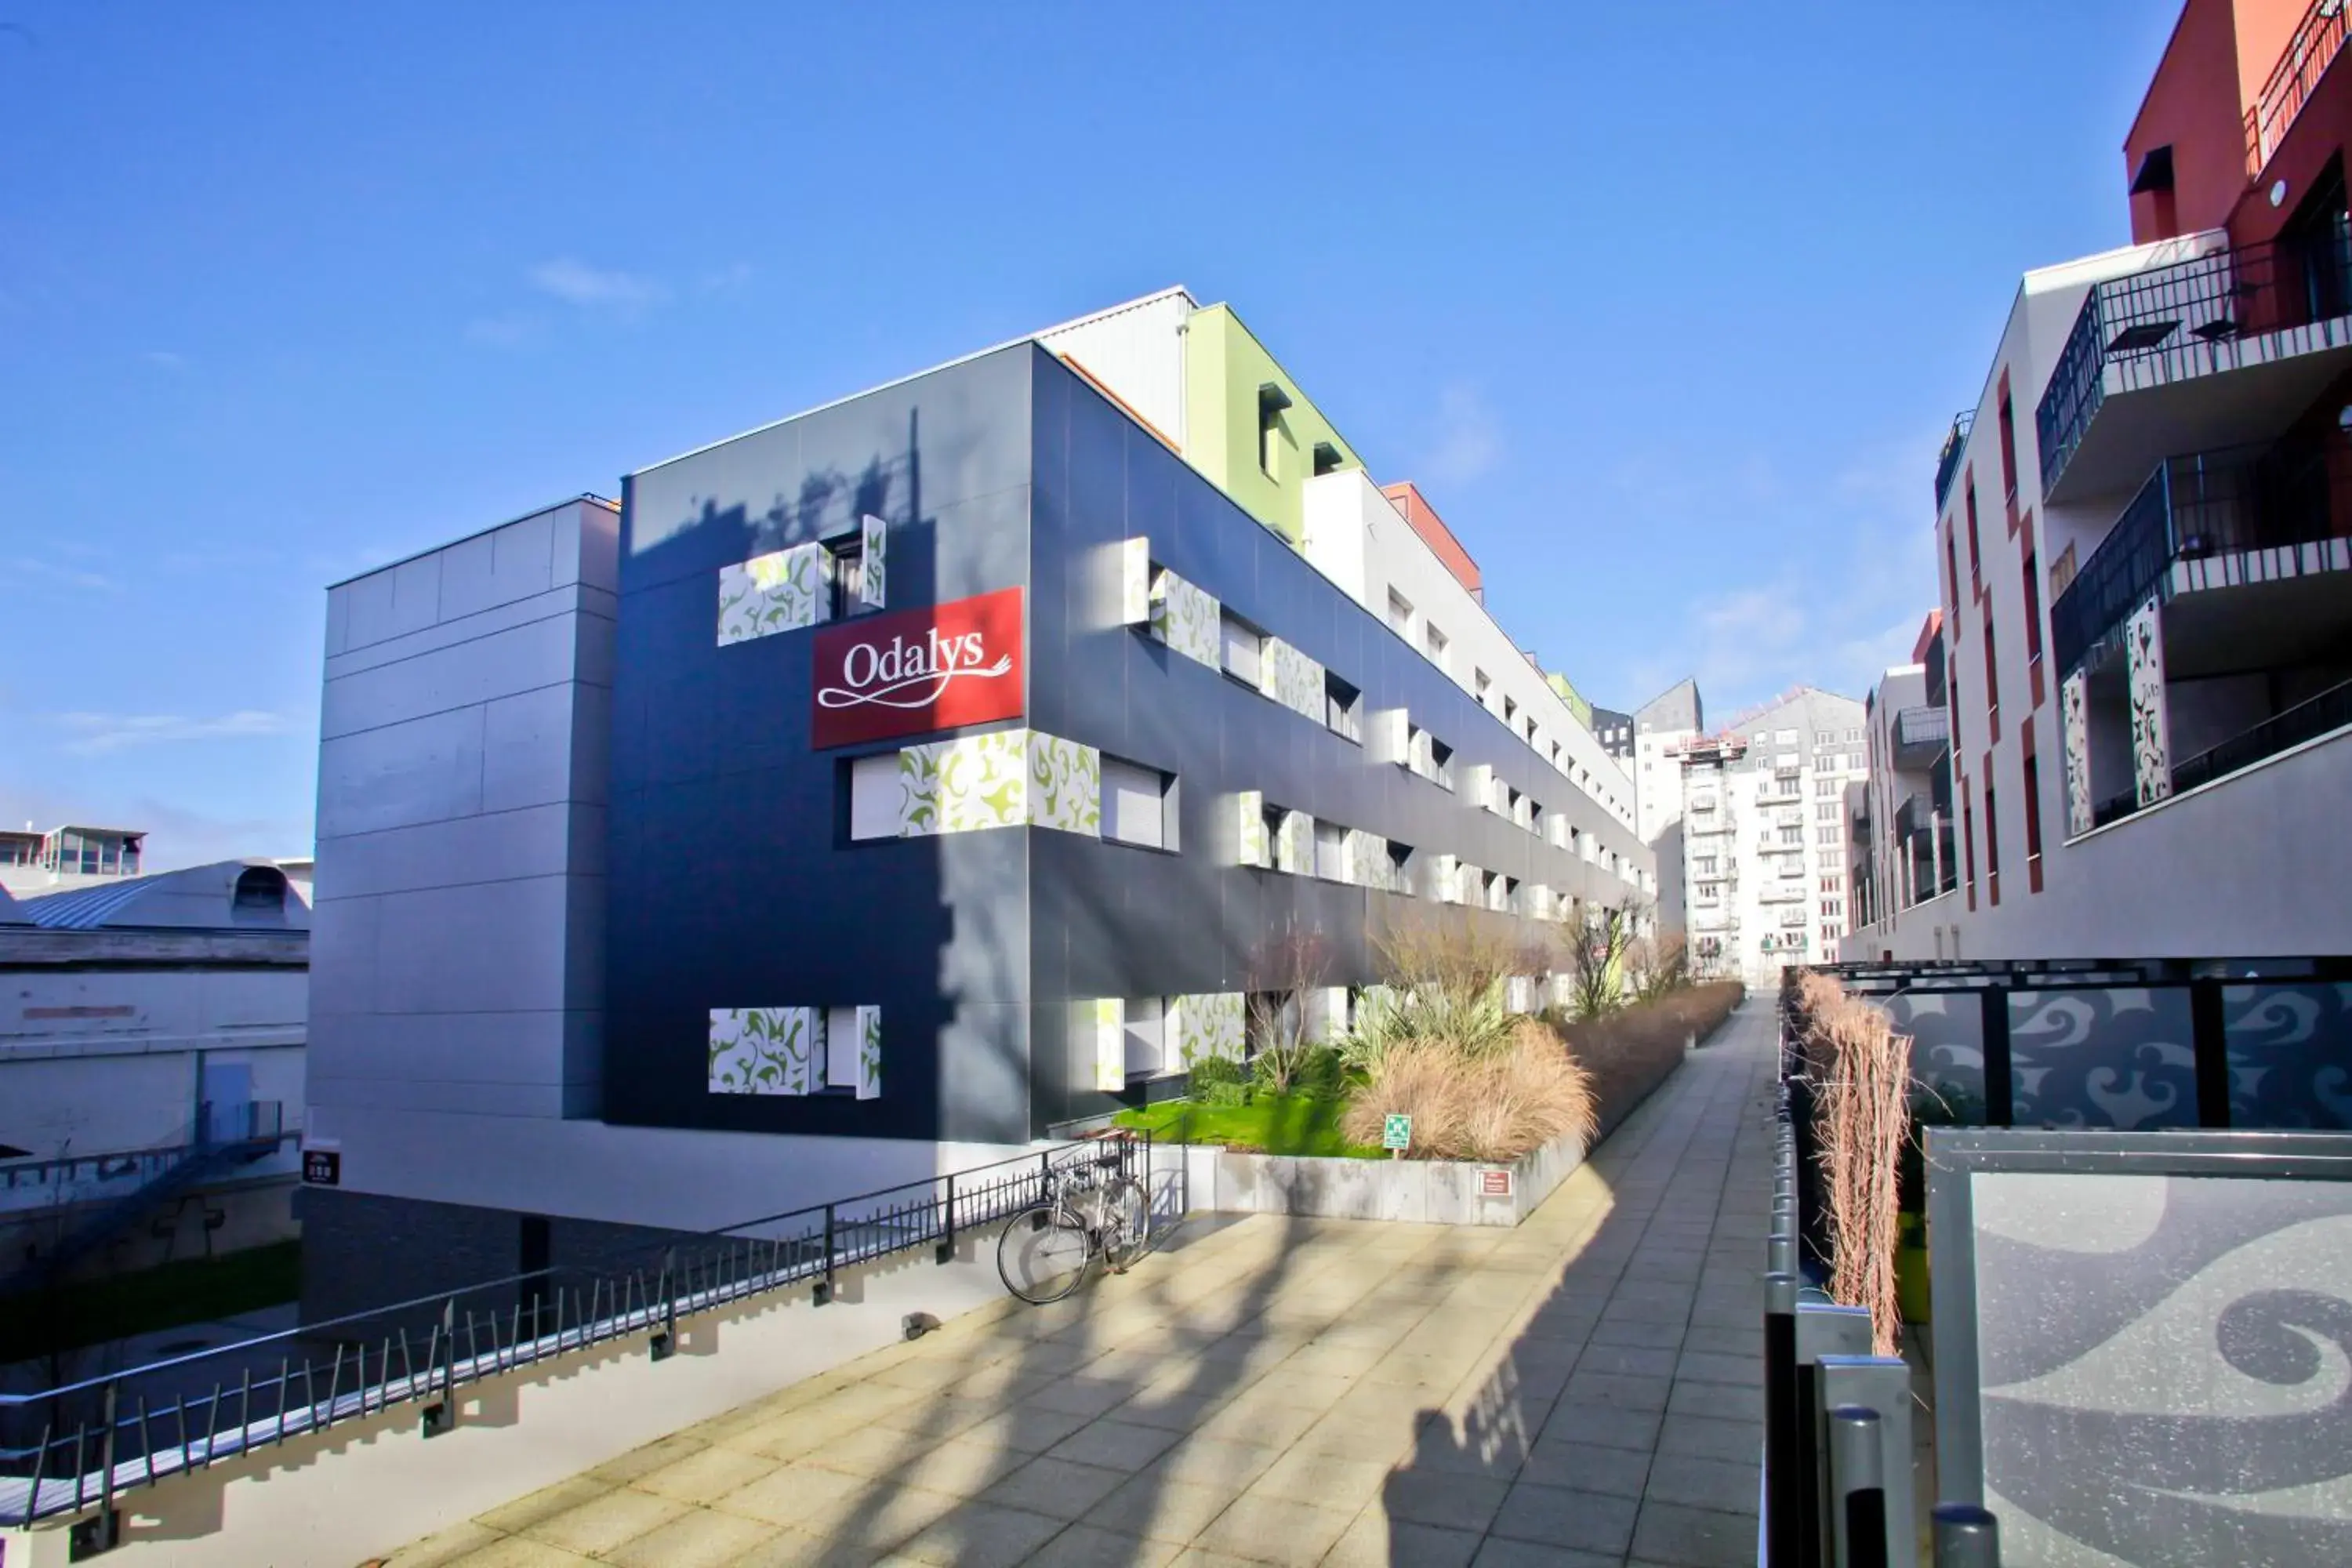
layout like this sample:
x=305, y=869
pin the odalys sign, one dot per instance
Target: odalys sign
x=913, y=671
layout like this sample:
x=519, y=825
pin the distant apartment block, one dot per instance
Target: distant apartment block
x=2143, y=532
x=1766, y=833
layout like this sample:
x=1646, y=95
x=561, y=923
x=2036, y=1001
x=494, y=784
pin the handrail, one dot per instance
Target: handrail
x=2308, y=54
x=685, y=1273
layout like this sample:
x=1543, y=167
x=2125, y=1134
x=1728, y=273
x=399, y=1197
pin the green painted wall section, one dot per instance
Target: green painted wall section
x=1224, y=365
x=1568, y=694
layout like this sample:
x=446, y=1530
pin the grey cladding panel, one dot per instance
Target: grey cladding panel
x=522, y=659
x=427, y=770
x=496, y=946
x=498, y=567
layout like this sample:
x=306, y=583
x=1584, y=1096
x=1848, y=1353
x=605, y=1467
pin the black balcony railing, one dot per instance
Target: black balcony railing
x=2214, y=297
x=1947, y=462
x=2213, y=503
x=2307, y=720
x=1922, y=727
x=2306, y=60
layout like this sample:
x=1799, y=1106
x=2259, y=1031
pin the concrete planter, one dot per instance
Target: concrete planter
x=1427, y=1192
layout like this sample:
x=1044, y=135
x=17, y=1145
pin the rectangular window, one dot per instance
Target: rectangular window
x=1832, y=884
x=1968, y=843
x=1480, y=687
x=1827, y=811
x=1992, y=839
x=840, y=1025
x=1147, y=1024
x=1399, y=614
x=1330, y=851
x=1708, y=892
x=1792, y=835
x=1137, y=805
x=1510, y=711
x=1244, y=646
x=1403, y=869
x=2008, y=446
x=2033, y=822
x=845, y=568
x=874, y=796
x=1705, y=865
x=1441, y=758
x=2033, y=610
x=1976, y=564
x=1951, y=579
x=1433, y=642
x=1271, y=401
x=1992, y=677
x=1826, y=786
x=1344, y=707
x=1825, y=836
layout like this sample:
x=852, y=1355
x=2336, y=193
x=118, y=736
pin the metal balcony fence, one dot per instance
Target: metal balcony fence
x=1947, y=461
x=2208, y=503
x=2214, y=297
x=77, y=1446
x=2304, y=60
x=1922, y=726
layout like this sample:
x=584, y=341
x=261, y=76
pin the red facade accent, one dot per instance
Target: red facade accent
x=910, y=671
x=1407, y=499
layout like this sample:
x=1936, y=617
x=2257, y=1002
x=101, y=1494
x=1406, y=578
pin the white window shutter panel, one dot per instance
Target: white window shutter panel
x=1108, y=1038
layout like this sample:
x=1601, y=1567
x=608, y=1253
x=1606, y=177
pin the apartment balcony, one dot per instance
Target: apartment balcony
x=1921, y=735
x=2323, y=715
x=2254, y=524
x=2304, y=60
x=1789, y=892
x=2224, y=346
x=1947, y=462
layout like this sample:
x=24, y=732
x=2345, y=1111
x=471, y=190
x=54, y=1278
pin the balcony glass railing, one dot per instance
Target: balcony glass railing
x=2213, y=503
x=1922, y=726
x=2214, y=297
x=1947, y=461
x=2306, y=59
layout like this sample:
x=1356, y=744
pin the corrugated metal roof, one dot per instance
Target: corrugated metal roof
x=83, y=908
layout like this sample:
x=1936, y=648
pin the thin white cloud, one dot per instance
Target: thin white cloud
x=95, y=734
x=164, y=359
x=576, y=282
x=1469, y=439
x=71, y=576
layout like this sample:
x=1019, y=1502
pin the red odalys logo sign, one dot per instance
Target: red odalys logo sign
x=911, y=670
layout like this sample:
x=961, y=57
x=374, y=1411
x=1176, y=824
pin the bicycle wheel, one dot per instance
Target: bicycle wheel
x=1043, y=1254
x=1127, y=1223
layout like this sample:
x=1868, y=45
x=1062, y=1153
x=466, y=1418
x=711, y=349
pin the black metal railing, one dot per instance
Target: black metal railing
x=2306, y=721
x=76, y=1448
x=1947, y=461
x=2306, y=60
x=1922, y=726
x=2208, y=503
x=2210, y=298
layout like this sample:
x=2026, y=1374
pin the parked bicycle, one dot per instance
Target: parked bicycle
x=1094, y=1208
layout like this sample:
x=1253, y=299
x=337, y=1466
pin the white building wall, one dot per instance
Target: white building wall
x=1137, y=349
x=1356, y=537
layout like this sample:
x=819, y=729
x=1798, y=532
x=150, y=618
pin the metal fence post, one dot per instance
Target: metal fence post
x=102, y=1531
x=664, y=1339
x=1857, y=1522
x=946, y=1251
x=1780, y=1431
x=1966, y=1537
x=823, y=1292
x=441, y=1416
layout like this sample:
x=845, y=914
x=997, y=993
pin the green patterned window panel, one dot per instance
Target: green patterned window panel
x=1204, y=1026
x=781, y=591
x=1257, y=845
x=1065, y=785
x=1011, y=778
x=869, y=1053
x=1291, y=679
x=873, y=562
x=763, y=1050
x=1368, y=864
x=2075, y=726
x=1294, y=846
x=1134, y=582
x=1185, y=618
x=1102, y=1023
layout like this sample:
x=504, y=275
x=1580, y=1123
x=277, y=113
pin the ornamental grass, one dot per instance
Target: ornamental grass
x=1860, y=1072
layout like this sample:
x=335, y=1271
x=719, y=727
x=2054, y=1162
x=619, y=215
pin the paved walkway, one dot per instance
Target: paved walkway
x=1584, y=1390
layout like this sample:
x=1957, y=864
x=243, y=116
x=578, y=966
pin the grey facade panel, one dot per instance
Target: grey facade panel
x=426, y=770
x=532, y=656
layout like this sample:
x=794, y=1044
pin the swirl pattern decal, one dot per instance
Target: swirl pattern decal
x=2113, y=1057
x=1185, y=618
x=1205, y=1025
x=873, y=563
x=2165, y=1368
x=2289, y=1055
x=1947, y=1060
x=2150, y=727
x=761, y=1050
x=2075, y=721
x=781, y=591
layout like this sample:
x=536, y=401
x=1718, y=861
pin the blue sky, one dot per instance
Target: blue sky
x=1666, y=308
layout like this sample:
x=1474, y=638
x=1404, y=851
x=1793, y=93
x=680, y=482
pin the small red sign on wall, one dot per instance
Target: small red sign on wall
x=913, y=671
x=1495, y=1183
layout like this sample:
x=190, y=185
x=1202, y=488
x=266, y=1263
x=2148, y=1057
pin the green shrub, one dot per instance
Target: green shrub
x=1221, y=1081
